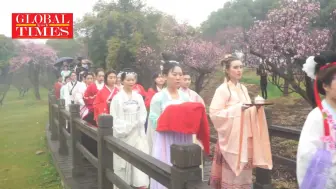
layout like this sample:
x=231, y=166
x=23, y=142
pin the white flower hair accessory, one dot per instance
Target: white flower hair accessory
x=309, y=67
x=130, y=74
x=170, y=61
x=119, y=74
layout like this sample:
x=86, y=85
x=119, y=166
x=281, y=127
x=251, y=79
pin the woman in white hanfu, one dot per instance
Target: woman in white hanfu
x=319, y=130
x=160, y=142
x=129, y=116
x=74, y=91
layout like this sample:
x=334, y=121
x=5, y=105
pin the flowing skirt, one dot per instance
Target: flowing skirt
x=161, y=149
x=222, y=177
x=125, y=170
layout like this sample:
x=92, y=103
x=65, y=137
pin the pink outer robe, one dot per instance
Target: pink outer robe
x=242, y=135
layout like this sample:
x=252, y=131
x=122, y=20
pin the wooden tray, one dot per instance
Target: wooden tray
x=259, y=104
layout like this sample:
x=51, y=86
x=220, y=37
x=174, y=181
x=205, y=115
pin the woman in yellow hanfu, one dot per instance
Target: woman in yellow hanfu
x=243, y=140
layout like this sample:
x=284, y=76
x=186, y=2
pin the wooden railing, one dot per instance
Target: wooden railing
x=186, y=159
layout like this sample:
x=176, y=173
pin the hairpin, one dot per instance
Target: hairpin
x=173, y=61
x=119, y=74
x=130, y=74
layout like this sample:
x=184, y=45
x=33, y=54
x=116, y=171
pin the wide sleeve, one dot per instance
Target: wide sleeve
x=154, y=111
x=198, y=98
x=66, y=96
x=121, y=127
x=143, y=92
x=98, y=105
x=219, y=111
x=310, y=141
x=143, y=111
x=80, y=94
x=149, y=96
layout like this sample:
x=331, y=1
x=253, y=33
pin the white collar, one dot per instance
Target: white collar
x=99, y=85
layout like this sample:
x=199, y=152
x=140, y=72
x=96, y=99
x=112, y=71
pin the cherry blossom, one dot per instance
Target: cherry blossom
x=199, y=55
x=38, y=54
x=287, y=32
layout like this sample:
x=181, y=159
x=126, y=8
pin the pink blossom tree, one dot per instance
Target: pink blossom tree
x=36, y=58
x=285, y=39
x=200, y=57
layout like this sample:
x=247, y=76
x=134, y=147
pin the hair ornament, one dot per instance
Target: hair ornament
x=173, y=61
x=309, y=67
x=131, y=74
x=119, y=74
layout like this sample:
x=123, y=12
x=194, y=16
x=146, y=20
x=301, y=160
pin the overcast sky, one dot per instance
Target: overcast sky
x=193, y=11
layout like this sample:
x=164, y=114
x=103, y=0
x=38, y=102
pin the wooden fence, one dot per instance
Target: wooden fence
x=186, y=159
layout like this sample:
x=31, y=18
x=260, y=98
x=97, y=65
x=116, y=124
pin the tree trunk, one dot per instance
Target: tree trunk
x=286, y=86
x=34, y=73
x=8, y=81
x=199, y=83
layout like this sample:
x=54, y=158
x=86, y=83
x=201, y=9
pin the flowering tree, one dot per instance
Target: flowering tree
x=286, y=38
x=36, y=58
x=200, y=56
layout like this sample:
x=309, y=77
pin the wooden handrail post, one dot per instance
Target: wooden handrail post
x=63, y=147
x=77, y=158
x=54, y=114
x=186, y=160
x=105, y=157
x=264, y=176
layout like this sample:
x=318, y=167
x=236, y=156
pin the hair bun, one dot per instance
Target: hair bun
x=324, y=58
x=167, y=57
x=228, y=59
x=127, y=70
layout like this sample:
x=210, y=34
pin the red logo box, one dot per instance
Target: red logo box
x=42, y=25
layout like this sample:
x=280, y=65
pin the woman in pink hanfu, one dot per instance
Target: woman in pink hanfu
x=194, y=97
x=243, y=140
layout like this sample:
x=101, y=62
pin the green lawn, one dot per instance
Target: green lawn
x=251, y=77
x=22, y=134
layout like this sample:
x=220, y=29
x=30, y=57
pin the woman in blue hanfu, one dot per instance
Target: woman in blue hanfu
x=129, y=116
x=159, y=142
x=316, y=156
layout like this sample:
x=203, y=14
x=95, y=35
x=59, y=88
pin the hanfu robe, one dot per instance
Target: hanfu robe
x=63, y=92
x=149, y=95
x=129, y=116
x=160, y=142
x=311, y=140
x=72, y=92
x=90, y=96
x=57, y=89
x=139, y=88
x=120, y=86
x=194, y=97
x=102, y=101
x=79, y=98
x=243, y=140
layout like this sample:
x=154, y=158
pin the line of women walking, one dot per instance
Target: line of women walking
x=243, y=141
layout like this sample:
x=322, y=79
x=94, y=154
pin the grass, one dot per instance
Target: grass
x=22, y=131
x=250, y=77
